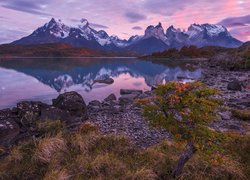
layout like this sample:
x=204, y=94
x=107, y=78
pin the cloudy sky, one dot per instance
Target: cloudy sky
x=123, y=17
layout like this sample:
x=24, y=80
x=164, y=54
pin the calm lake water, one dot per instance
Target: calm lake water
x=43, y=79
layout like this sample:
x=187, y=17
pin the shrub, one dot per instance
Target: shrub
x=186, y=110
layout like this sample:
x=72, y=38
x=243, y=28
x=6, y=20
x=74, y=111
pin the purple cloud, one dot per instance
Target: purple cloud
x=137, y=28
x=236, y=21
x=99, y=26
x=117, y=16
x=135, y=17
x=32, y=7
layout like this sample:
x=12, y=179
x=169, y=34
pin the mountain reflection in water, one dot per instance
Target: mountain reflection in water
x=43, y=79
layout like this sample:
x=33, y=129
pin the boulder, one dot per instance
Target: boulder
x=73, y=103
x=7, y=113
x=94, y=106
x=95, y=103
x=9, y=130
x=29, y=106
x=234, y=86
x=111, y=97
x=105, y=81
x=29, y=112
x=130, y=91
x=53, y=113
x=127, y=98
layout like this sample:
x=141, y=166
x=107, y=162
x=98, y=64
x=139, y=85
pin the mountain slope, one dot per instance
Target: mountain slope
x=148, y=46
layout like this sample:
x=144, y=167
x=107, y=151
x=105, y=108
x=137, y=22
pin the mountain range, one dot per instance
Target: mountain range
x=154, y=39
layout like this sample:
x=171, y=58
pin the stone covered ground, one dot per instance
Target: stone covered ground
x=234, y=91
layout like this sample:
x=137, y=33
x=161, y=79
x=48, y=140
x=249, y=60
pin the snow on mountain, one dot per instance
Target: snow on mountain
x=212, y=30
x=155, y=39
x=56, y=28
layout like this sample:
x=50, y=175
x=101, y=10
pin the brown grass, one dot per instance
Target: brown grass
x=89, y=154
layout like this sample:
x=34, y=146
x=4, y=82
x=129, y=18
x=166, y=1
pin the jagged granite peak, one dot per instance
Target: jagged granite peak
x=155, y=39
x=157, y=32
x=171, y=31
x=159, y=25
x=176, y=37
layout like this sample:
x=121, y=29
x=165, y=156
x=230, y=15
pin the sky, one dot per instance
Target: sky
x=123, y=18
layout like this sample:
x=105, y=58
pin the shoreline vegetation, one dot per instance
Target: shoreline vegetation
x=56, y=50
x=114, y=139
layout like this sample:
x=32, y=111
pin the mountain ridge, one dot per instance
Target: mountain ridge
x=154, y=39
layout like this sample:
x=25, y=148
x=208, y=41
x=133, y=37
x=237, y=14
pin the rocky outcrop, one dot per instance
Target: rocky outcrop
x=105, y=81
x=9, y=130
x=130, y=91
x=73, y=103
x=234, y=86
x=111, y=97
x=21, y=121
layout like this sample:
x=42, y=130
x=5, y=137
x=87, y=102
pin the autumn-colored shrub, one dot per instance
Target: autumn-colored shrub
x=186, y=110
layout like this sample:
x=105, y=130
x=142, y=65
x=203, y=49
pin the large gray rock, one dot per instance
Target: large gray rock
x=127, y=98
x=53, y=113
x=234, y=86
x=30, y=106
x=105, y=81
x=73, y=103
x=29, y=112
x=9, y=130
x=130, y=91
x=111, y=97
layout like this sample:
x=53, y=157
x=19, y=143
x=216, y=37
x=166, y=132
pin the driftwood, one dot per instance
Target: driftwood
x=185, y=156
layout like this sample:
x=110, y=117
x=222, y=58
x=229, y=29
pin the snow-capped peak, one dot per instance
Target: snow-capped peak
x=214, y=30
x=210, y=29
x=54, y=27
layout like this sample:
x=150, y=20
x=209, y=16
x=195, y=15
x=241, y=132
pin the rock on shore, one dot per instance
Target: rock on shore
x=232, y=86
x=111, y=116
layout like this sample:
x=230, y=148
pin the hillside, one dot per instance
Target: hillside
x=53, y=50
x=228, y=58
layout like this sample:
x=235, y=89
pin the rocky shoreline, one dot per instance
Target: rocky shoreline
x=234, y=91
x=123, y=116
x=117, y=116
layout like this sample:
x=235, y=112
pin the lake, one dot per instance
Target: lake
x=42, y=79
